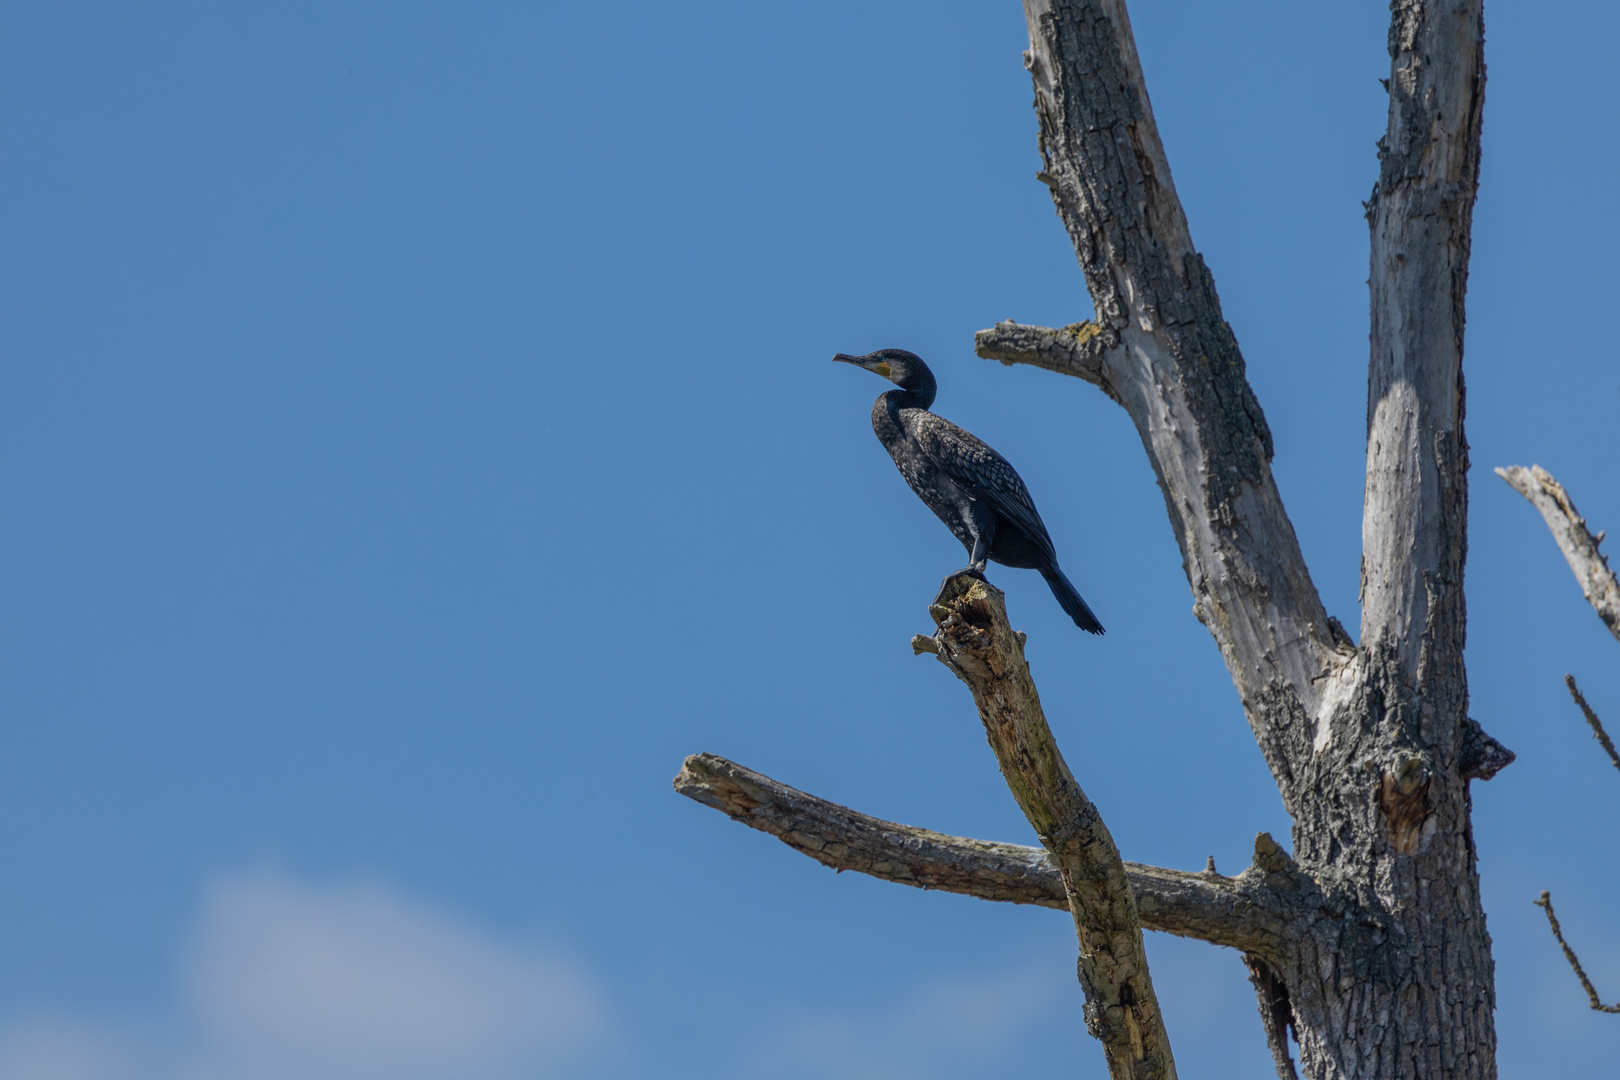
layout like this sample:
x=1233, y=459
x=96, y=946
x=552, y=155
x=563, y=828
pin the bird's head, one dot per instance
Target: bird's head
x=905, y=369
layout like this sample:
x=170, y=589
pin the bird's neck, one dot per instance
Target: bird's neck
x=920, y=397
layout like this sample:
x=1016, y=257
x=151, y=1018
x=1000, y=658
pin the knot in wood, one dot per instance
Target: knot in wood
x=1404, y=797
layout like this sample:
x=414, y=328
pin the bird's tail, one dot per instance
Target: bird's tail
x=1069, y=598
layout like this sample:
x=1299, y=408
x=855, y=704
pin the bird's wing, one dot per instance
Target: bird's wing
x=984, y=473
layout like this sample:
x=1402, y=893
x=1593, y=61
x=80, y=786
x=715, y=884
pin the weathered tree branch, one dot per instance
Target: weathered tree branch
x=1579, y=546
x=1592, y=720
x=1078, y=350
x=1414, y=523
x=976, y=642
x=846, y=839
x=1545, y=903
x=1161, y=348
x=1251, y=912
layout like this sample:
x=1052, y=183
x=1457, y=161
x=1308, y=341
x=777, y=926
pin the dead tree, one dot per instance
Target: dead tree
x=1369, y=942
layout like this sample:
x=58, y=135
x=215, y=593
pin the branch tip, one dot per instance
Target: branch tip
x=1574, y=539
x=1545, y=903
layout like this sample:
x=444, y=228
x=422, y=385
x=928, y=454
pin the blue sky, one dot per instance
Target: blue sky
x=417, y=435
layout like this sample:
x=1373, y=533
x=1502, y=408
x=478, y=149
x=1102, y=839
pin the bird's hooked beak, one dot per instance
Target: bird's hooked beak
x=877, y=367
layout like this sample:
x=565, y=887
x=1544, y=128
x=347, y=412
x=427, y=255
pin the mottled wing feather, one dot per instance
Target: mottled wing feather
x=981, y=471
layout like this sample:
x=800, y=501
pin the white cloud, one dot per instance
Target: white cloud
x=345, y=982
x=51, y=1048
x=356, y=981
x=951, y=1027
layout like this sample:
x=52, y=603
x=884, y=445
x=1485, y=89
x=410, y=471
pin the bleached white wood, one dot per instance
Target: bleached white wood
x=1580, y=547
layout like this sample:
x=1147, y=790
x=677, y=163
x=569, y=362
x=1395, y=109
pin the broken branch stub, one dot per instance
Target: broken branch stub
x=976, y=642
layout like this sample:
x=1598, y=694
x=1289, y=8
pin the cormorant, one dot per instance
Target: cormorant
x=971, y=488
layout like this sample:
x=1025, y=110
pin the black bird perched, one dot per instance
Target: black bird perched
x=971, y=488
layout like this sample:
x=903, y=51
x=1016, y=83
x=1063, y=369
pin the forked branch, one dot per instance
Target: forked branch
x=1569, y=530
